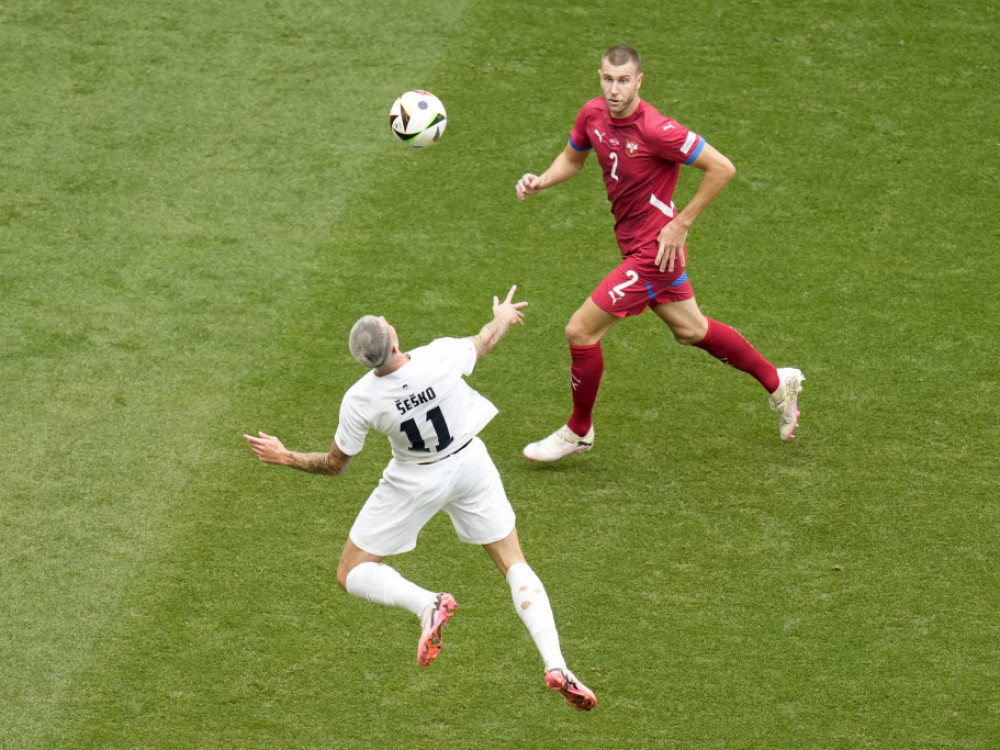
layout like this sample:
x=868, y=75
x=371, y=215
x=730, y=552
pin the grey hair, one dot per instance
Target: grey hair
x=370, y=342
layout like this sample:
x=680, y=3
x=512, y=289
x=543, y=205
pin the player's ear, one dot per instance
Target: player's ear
x=638, y=81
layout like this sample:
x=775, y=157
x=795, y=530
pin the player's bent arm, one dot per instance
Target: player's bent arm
x=566, y=165
x=718, y=172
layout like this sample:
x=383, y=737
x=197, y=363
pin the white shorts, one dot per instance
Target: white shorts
x=466, y=485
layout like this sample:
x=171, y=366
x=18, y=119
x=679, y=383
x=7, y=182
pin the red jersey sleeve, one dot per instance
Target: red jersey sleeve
x=579, y=136
x=675, y=142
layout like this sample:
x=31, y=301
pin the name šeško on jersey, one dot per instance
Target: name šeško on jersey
x=403, y=405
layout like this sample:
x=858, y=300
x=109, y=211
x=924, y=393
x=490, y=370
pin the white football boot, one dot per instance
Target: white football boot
x=786, y=400
x=559, y=444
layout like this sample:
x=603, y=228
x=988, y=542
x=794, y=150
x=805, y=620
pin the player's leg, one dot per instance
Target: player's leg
x=388, y=524
x=584, y=332
x=588, y=324
x=685, y=320
x=690, y=327
x=530, y=599
x=482, y=514
x=531, y=602
x=365, y=576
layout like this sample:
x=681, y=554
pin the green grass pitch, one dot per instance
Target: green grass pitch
x=198, y=199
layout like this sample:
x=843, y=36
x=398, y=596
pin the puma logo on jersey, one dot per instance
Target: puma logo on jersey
x=600, y=135
x=618, y=290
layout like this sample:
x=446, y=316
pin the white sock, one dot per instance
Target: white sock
x=382, y=584
x=532, y=605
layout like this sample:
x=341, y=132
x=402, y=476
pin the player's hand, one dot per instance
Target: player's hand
x=509, y=311
x=268, y=448
x=672, y=251
x=528, y=185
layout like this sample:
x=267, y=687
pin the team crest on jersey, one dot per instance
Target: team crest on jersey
x=631, y=147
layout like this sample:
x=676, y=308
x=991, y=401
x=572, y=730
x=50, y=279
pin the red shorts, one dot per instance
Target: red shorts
x=638, y=283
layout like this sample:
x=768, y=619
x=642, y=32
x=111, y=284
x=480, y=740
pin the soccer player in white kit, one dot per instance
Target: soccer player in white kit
x=420, y=401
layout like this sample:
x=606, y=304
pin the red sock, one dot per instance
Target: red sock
x=728, y=345
x=585, y=375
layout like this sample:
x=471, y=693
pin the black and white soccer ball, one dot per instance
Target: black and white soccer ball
x=418, y=118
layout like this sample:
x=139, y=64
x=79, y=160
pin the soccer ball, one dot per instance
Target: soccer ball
x=418, y=118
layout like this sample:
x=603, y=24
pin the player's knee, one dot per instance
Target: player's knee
x=687, y=336
x=579, y=335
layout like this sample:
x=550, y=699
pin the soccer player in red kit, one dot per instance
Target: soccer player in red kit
x=640, y=152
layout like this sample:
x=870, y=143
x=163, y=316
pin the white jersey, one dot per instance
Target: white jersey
x=425, y=408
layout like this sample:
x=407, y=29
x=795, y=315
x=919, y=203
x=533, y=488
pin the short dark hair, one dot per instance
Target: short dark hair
x=623, y=55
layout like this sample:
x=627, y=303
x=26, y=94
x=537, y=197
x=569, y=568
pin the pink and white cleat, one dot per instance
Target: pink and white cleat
x=786, y=401
x=433, y=619
x=563, y=681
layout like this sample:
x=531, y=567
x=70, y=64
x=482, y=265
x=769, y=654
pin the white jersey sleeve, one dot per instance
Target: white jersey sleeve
x=425, y=407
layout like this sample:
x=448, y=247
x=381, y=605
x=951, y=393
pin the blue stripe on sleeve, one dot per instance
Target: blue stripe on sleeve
x=701, y=145
x=579, y=148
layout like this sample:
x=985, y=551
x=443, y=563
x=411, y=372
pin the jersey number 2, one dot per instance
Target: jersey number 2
x=436, y=418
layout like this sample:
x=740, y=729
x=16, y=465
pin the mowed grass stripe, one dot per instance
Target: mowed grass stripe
x=169, y=233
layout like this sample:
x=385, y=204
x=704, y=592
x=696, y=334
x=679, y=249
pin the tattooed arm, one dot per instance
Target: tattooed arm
x=270, y=450
x=505, y=314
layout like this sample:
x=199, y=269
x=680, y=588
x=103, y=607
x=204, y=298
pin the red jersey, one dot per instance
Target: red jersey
x=641, y=156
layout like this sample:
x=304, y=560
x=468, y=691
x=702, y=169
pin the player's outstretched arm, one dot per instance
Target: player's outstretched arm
x=271, y=451
x=568, y=163
x=505, y=314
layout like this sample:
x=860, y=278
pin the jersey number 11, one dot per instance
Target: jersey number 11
x=436, y=418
